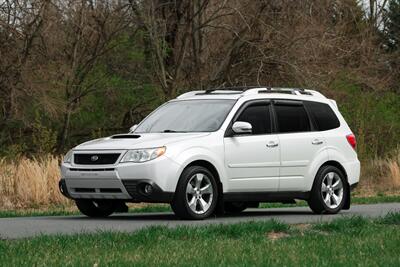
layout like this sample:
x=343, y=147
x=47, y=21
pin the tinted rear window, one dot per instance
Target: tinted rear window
x=324, y=117
x=292, y=118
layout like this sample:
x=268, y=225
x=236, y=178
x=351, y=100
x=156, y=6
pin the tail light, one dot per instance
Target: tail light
x=351, y=138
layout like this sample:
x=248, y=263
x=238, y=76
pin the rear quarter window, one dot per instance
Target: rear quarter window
x=323, y=115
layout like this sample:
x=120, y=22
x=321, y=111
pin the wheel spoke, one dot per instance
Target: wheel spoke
x=337, y=185
x=330, y=178
x=327, y=199
x=206, y=189
x=335, y=199
x=192, y=204
x=324, y=188
x=190, y=189
x=203, y=204
x=199, y=179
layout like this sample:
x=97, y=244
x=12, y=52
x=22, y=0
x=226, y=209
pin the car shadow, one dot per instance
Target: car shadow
x=170, y=216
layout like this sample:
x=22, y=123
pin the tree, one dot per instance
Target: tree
x=20, y=25
x=392, y=27
x=175, y=34
x=85, y=30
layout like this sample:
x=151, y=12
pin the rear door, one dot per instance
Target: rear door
x=252, y=160
x=299, y=143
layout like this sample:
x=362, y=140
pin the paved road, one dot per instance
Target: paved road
x=32, y=226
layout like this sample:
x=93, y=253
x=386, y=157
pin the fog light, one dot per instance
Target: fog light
x=148, y=189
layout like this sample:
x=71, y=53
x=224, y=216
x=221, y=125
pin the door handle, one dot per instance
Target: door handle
x=272, y=144
x=317, y=142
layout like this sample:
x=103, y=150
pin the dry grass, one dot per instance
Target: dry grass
x=380, y=175
x=30, y=183
x=273, y=236
x=33, y=183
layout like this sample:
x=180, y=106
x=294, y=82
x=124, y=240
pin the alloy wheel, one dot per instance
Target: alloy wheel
x=332, y=190
x=199, y=193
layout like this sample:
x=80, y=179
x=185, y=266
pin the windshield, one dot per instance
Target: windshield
x=187, y=116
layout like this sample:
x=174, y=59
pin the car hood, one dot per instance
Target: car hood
x=133, y=141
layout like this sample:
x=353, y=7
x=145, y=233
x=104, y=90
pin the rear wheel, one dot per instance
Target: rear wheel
x=96, y=208
x=329, y=192
x=196, y=194
x=235, y=207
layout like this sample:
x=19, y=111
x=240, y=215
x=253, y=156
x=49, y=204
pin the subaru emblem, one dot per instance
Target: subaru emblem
x=94, y=158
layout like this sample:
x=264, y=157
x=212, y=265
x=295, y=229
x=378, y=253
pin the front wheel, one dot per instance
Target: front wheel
x=196, y=194
x=329, y=192
x=96, y=208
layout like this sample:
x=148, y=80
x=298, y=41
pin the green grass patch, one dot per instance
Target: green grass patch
x=354, y=200
x=34, y=213
x=343, y=225
x=375, y=199
x=60, y=211
x=391, y=218
x=343, y=242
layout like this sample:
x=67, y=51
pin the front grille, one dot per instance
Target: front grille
x=131, y=187
x=96, y=159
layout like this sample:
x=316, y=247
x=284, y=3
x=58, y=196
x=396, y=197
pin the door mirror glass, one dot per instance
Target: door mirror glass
x=242, y=127
x=133, y=128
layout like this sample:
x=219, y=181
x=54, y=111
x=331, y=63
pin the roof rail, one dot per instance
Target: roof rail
x=189, y=94
x=235, y=88
x=272, y=90
x=225, y=90
x=250, y=90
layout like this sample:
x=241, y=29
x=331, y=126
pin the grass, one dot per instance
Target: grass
x=63, y=211
x=343, y=242
x=355, y=200
x=28, y=182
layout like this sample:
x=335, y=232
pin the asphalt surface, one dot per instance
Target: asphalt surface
x=21, y=227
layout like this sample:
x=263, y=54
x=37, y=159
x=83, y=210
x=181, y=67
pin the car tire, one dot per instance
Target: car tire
x=196, y=194
x=235, y=207
x=96, y=208
x=329, y=192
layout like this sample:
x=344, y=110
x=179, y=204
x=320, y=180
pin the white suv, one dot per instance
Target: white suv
x=221, y=150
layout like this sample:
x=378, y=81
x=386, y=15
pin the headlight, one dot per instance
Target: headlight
x=142, y=155
x=68, y=157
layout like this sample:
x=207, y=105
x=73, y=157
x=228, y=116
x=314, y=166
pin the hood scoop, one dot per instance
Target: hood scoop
x=125, y=136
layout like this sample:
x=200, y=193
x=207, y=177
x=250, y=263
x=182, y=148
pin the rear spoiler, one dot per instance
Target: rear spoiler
x=334, y=103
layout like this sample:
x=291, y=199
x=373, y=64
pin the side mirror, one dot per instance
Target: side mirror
x=133, y=128
x=242, y=127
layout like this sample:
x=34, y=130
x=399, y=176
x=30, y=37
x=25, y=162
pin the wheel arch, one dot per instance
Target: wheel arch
x=337, y=165
x=209, y=166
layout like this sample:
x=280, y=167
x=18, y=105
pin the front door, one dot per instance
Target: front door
x=252, y=160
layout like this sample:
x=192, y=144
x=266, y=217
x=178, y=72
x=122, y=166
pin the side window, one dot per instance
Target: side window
x=324, y=117
x=258, y=116
x=292, y=118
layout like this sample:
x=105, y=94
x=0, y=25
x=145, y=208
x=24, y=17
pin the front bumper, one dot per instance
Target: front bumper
x=124, y=181
x=134, y=191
